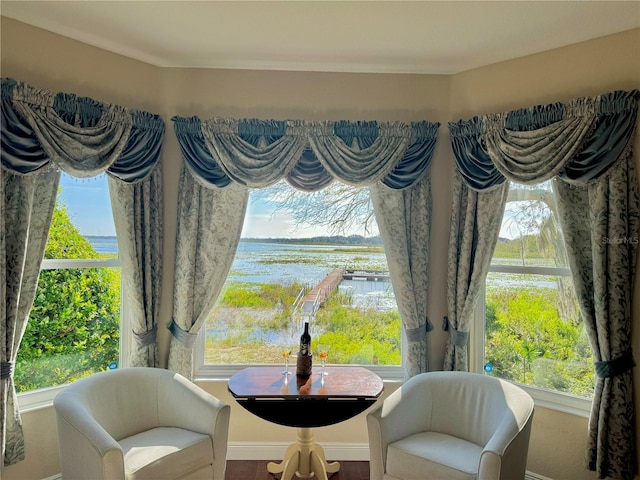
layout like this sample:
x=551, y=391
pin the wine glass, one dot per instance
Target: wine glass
x=286, y=353
x=323, y=353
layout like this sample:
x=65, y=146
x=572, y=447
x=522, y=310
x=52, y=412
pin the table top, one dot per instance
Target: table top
x=267, y=382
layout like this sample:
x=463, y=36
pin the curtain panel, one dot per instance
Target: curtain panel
x=585, y=146
x=42, y=134
x=226, y=157
x=404, y=221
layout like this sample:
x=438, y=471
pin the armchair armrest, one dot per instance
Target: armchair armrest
x=87, y=450
x=403, y=413
x=505, y=454
x=183, y=404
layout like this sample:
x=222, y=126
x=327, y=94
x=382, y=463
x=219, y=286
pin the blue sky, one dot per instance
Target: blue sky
x=89, y=207
x=88, y=204
x=261, y=222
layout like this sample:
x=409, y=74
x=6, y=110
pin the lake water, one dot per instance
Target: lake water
x=310, y=264
x=103, y=244
x=307, y=264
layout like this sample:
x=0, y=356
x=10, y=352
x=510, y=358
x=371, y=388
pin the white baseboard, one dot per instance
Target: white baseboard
x=535, y=476
x=346, y=452
x=275, y=450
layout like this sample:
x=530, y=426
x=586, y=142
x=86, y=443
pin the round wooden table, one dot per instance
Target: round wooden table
x=305, y=403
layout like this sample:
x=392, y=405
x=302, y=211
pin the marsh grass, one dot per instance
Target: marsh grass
x=534, y=337
x=342, y=250
x=356, y=335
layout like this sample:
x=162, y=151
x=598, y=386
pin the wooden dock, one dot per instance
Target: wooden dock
x=368, y=275
x=317, y=297
x=313, y=300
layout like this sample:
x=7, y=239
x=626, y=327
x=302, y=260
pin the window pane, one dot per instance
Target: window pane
x=530, y=233
x=73, y=328
x=84, y=203
x=74, y=325
x=262, y=308
x=534, y=332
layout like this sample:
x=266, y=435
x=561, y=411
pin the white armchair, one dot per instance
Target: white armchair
x=140, y=423
x=451, y=426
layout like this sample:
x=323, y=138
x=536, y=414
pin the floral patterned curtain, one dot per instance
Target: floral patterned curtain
x=137, y=215
x=585, y=146
x=601, y=226
x=209, y=225
x=26, y=209
x=475, y=224
x=43, y=133
x=404, y=221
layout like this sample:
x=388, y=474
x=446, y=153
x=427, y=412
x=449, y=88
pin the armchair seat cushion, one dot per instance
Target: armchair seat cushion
x=165, y=453
x=445, y=457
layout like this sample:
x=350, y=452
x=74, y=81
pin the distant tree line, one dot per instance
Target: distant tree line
x=322, y=240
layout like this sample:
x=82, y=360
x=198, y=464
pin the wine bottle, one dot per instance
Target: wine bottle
x=305, y=341
x=304, y=360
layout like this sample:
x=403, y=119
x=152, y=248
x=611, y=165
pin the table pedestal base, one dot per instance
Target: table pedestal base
x=304, y=459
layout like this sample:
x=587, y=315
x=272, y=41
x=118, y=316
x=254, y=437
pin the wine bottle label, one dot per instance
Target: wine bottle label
x=305, y=341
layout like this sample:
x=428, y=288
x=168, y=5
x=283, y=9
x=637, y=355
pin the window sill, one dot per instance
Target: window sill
x=561, y=402
x=544, y=398
x=37, y=399
x=43, y=398
x=225, y=372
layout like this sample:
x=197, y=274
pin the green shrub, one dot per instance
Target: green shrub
x=528, y=342
x=74, y=325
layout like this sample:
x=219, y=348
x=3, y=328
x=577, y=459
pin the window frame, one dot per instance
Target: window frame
x=554, y=400
x=204, y=372
x=43, y=397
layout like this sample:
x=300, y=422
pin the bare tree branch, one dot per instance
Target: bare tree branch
x=340, y=208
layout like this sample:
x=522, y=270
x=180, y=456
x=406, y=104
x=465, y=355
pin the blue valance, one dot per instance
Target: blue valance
x=577, y=141
x=79, y=135
x=472, y=159
x=308, y=155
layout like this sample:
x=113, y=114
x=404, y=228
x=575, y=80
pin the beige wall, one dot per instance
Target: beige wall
x=50, y=61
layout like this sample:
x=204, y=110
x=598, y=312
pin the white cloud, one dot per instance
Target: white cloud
x=277, y=225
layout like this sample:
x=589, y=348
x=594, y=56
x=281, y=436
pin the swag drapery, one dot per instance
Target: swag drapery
x=585, y=146
x=224, y=158
x=45, y=133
